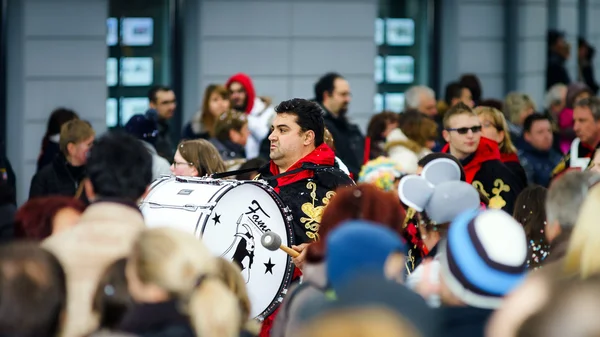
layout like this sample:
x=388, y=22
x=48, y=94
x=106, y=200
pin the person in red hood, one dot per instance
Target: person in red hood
x=480, y=158
x=260, y=112
x=302, y=172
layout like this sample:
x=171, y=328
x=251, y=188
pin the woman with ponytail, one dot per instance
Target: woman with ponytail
x=50, y=141
x=174, y=280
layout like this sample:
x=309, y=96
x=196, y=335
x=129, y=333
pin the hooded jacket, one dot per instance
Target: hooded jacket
x=486, y=172
x=260, y=114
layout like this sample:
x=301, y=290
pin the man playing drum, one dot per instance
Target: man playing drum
x=301, y=170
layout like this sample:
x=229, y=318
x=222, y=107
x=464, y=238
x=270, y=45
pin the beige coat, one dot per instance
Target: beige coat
x=104, y=234
x=404, y=151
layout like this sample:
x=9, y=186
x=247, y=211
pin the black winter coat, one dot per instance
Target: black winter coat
x=58, y=178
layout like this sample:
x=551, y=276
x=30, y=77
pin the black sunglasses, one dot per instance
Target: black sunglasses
x=464, y=131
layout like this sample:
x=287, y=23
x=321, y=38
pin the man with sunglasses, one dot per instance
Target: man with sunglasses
x=480, y=158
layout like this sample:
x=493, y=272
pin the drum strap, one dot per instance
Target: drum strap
x=233, y=173
x=305, y=166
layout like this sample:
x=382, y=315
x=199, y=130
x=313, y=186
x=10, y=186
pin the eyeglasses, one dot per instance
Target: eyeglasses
x=464, y=131
x=489, y=124
x=175, y=163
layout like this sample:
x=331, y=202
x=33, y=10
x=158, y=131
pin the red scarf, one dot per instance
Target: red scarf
x=509, y=157
x=322, y=155
x=486, y=151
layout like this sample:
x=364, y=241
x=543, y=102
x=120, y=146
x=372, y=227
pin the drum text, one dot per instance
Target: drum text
x=255, y=218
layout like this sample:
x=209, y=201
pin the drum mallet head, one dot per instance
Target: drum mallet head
x=272, y=241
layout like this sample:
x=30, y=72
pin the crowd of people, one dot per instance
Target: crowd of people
x=461, y=216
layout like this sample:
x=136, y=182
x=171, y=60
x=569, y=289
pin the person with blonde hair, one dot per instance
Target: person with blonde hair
x=174, y=280
x=231, y=275
x=495, y=127
x=214, y=103
x=571, y=213
x=64, y=175
x=517, y=106
x=197, y=158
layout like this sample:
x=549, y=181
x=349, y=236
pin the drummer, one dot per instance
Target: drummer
x=302, y=172
x=302, y=168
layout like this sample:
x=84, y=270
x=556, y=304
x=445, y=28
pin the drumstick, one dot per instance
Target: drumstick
x=272, y=241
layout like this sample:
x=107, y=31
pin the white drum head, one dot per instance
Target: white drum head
x=234, y=230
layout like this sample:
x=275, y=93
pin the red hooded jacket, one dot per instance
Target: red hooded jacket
x=486, y=151
x=246, y=82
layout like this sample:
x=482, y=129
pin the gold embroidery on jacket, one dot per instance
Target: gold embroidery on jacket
x=479, y=186
x=496, y=202
x=314, y=213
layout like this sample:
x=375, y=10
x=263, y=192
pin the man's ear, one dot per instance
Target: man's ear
x=446, y=136
x=89, y=189
x=527, y=136
x=309, y=137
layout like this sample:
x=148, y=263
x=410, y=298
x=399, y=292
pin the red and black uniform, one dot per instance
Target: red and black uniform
x=511, y=160
x=306, y=188
x=486, y=172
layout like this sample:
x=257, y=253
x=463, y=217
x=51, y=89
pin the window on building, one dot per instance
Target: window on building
x=3, y=21
x=139, y=34
x=402, y=36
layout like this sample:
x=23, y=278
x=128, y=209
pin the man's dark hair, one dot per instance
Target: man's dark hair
x=309, y=115
x=33, y=291
x=119, y=166
x=453, y=90
x=152, y=92
x=528, y=123
x=325, y=84
x=472, y=82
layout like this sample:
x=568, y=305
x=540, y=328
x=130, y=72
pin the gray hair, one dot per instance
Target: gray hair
x=412, y=96
x=514, y=104
x=555, y=95
x=566, y=195
x=593, y=103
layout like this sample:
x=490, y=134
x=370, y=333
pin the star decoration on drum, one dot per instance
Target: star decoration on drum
x=216, y=219
x=269, y=266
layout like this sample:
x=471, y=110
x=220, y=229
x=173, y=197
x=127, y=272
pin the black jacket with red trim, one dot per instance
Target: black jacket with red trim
x=307, y=189
x=486, y=172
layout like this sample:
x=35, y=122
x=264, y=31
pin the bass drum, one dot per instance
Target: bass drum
x=230, y=217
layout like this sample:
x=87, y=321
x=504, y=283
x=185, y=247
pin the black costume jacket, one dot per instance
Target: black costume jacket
x=306, y=189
